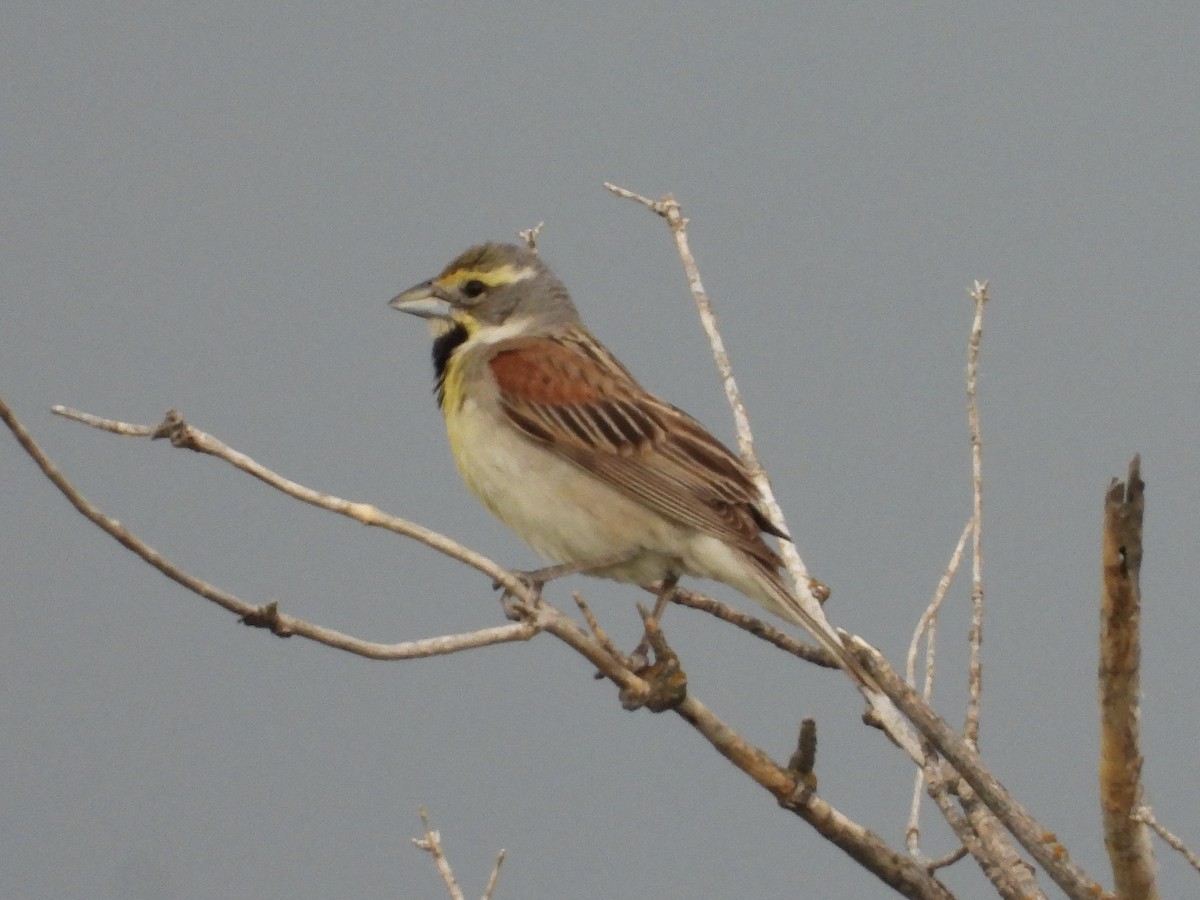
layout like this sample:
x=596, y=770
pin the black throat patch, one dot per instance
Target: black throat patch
x=443, y=349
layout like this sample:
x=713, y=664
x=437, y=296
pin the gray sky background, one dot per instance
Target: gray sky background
x=208, y=206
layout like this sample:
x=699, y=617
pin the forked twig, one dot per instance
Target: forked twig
x=928, y=626
x=432, y=843
x=181, y=434
x=266, y=615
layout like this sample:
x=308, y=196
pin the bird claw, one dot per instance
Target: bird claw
x=665, y=676
x=515, y=608
x=668, y=687
x=819, y=589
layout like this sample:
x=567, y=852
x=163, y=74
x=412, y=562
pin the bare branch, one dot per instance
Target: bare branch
x=1015, y=878
x=432, y=842
x=183, y=435
x=893, y=868
x=928, y=626
x=283, y=625
x=268, y=615
x=1042, y=845
x=110, y=425
x=669, y=209
x=597, y=631
x=491, y=884
x=808, y=591
x=1144, y=814
x=754, y=626
x=990, y=853
x=1130, y=850
x=928, y=621
x=975, y=638
x=948, y=860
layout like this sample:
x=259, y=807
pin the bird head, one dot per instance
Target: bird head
x=489, y=287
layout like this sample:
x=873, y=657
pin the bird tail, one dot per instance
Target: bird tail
x=805, y=611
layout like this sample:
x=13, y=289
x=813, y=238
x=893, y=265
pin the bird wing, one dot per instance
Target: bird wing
x=573, y=397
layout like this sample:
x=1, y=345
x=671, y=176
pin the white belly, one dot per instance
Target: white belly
x=570, y=517
x=563, y=514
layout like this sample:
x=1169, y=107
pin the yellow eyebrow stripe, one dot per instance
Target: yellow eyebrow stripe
x=506, y=274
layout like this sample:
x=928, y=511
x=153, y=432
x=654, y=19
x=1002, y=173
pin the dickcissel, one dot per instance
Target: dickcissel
x=560, y=442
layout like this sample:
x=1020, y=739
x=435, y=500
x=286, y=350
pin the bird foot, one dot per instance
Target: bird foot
x=640, y=658
x=516, y=609
x=819, y=589
x=664, y=676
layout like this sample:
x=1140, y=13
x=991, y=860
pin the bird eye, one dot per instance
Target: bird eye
x=474, y=288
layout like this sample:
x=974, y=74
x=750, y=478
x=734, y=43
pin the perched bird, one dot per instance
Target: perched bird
x=560, y=442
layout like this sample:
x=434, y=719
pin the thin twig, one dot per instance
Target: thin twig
x=808, y=592
x=491, y=884
x=530, y=235
x=757, y=627
x=948, y=860
x=597, y=630
x=669, y=209
x=928, y=621
x=1145, y=815
x=975, y=638
x=111, y=425
x=928, y=626
x=432, y=842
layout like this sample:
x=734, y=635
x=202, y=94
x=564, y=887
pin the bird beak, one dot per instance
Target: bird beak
x=422, y=300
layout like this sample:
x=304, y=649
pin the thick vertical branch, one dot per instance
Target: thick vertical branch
x=1130, y=850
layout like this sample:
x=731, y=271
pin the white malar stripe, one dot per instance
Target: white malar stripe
x=493, y=334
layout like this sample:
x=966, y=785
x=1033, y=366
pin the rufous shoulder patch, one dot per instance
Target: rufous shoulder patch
x=543, y=374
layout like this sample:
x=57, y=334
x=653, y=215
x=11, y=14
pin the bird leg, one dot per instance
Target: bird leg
x=641, y=653
x=665, y=677
x=536, y=579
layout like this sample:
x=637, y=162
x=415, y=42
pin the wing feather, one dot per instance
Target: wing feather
x=573, y=397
